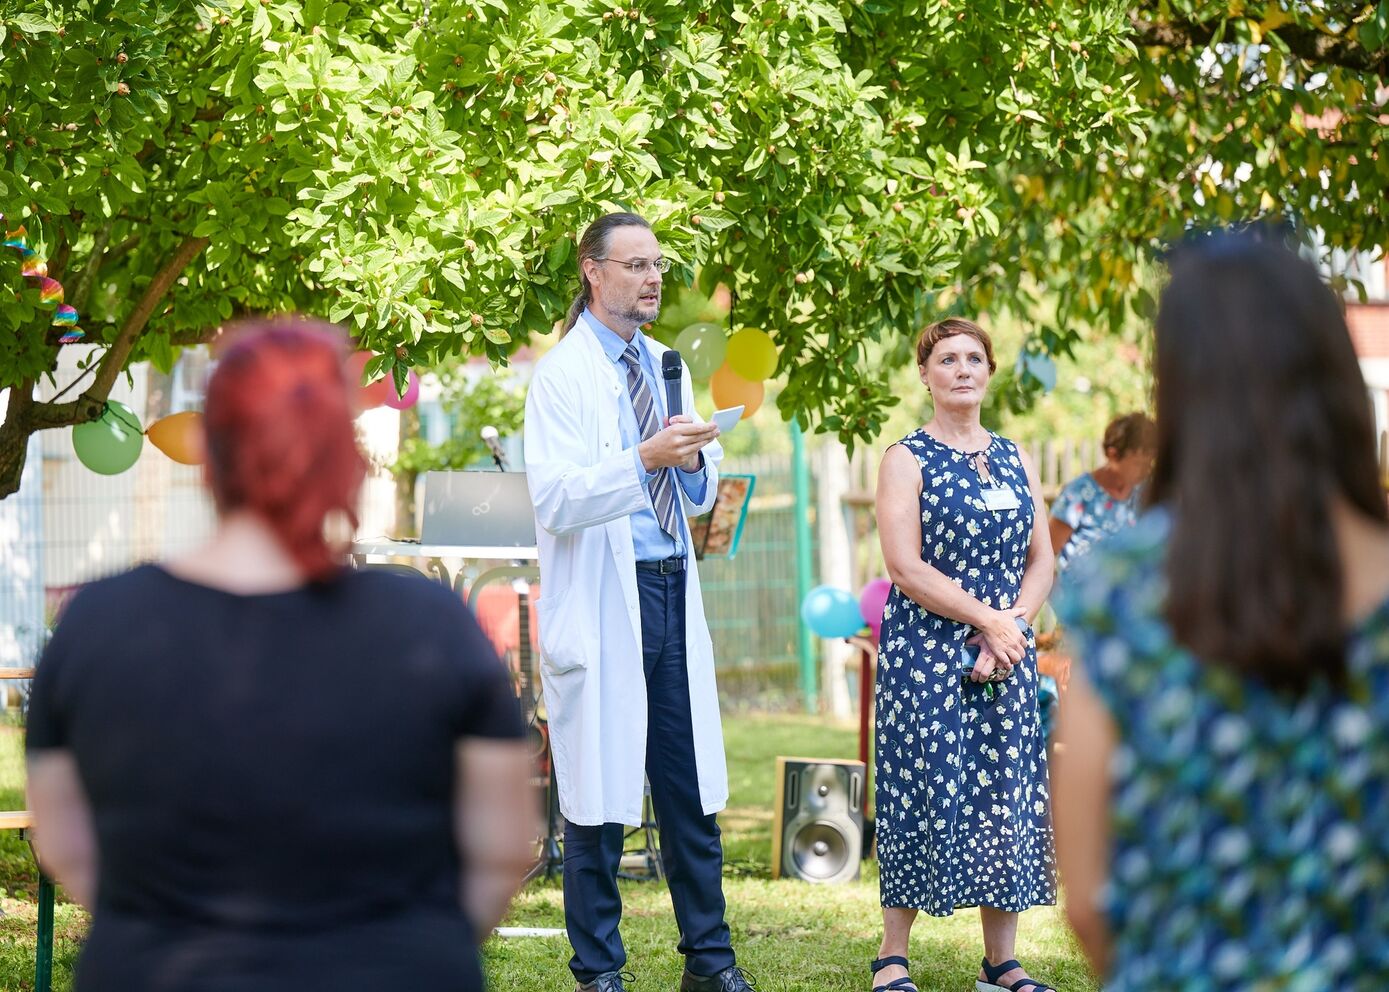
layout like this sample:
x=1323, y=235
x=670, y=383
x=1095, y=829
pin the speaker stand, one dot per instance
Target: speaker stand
x=644, y=863
x=551, y=860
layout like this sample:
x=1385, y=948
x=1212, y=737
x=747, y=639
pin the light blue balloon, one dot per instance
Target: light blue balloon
x=1040, y=366
x=831, y=612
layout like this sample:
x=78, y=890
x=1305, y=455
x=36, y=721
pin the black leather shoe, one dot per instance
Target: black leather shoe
x=608, y=981
x=732, y=979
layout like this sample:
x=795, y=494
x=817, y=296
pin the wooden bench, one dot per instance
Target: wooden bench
x=23, y=821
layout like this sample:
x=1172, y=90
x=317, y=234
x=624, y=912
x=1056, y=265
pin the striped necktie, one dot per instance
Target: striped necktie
x=644, y=405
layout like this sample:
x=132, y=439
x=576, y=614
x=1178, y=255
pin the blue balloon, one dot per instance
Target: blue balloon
x=1040, y=366
x=831, y=612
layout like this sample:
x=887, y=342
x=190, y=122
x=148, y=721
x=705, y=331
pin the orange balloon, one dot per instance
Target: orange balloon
x=730, y=389
x=180, y=436
x=374, y=395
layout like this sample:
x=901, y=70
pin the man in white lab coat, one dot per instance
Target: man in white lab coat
x=626, y=661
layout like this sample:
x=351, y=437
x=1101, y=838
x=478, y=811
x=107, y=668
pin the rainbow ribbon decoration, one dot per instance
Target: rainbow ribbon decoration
x=35, y=269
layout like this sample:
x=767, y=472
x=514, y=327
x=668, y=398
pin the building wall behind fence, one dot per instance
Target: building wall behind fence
x=23, y=630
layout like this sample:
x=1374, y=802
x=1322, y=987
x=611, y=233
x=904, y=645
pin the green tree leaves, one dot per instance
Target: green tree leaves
x=850, y=170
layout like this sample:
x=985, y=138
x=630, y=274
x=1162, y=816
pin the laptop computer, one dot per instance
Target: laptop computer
x=478, y=509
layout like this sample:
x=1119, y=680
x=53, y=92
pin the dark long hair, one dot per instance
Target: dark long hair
x=1264, y=425
x=594, y=244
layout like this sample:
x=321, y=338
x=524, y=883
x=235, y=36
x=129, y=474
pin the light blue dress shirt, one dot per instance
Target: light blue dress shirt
x=649, y=542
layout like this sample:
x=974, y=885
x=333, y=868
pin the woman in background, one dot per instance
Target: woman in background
x=260, y=770
x=1223, y=797
x=1105, y=500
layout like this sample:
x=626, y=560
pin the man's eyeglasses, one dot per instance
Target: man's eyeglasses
x=637, y=266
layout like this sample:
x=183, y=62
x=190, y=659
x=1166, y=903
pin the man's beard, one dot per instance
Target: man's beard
x=634, y=312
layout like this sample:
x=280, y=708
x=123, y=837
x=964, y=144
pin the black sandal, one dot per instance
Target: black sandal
x=994, y=972
x=904, y=984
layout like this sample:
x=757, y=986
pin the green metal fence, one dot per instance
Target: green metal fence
x=751, y=600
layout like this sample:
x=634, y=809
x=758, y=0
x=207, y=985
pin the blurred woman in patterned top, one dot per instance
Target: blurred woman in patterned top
x=1106, y=499
x=1224, y=791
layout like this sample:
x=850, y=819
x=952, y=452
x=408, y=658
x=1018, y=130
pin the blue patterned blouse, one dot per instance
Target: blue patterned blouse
x=1091, y=513
x=1250, y=831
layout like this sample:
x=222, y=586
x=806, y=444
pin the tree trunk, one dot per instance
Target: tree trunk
x=14, y=446
x=14, y=439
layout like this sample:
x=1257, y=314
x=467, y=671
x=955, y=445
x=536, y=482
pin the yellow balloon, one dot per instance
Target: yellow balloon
x=180, y=436
x=752, y=354
x=730, y=389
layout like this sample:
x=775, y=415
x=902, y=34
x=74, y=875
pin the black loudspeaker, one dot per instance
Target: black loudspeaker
x=817, y=830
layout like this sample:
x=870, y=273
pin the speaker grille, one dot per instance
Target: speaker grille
x=821, y=851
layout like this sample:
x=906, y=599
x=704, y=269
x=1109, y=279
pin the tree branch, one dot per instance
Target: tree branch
x=1317, y=47
x=83, y=287
x=43, y=416
x=201, y=335
x=116, y=355
x=214, y=113
x=120, y=249
x=62, y=250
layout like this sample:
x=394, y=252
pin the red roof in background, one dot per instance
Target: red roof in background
x=1369, y=328
x=1329, y=120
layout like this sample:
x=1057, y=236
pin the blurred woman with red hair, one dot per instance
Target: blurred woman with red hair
x=261, y=770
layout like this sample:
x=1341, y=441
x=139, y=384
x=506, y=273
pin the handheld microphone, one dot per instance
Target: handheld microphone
x=671, y=372
x=489, y=438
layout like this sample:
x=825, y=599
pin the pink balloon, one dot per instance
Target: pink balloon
x=411, y=397
x=872, y=598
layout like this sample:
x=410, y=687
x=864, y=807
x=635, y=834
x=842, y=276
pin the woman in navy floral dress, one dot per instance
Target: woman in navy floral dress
x=1223, y=807
x=963, y=815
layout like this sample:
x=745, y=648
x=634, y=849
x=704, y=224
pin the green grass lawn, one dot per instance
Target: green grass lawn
x=790, y=935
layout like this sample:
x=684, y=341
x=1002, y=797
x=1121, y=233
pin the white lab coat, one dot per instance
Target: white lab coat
x=585, y=486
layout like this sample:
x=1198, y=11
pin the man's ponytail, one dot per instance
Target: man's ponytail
x=576, y=308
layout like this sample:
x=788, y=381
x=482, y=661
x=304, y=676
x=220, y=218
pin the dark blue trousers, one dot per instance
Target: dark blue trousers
x=691, y=849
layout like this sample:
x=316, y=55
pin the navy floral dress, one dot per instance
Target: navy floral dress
x=963, y=808
x=1248, y=841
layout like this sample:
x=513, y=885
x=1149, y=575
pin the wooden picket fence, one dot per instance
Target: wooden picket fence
x=1060, y=460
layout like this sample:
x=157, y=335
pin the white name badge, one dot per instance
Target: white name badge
x=1000, y=498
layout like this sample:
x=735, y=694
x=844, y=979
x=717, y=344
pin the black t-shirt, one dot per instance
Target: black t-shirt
x=272, y=778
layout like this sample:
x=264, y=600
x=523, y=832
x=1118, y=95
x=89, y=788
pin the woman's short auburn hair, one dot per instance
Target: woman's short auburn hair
x=1131, y=432
x=948, y=328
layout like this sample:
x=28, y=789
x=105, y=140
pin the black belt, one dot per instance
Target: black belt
x=666, y=566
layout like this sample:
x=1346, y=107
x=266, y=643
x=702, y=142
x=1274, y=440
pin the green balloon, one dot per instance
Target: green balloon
x=702, y=346
x=110, y=444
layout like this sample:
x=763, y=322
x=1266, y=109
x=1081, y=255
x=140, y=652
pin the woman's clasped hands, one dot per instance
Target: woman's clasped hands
x=1002, y=644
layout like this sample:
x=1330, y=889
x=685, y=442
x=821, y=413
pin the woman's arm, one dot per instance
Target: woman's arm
x=64, y=837
x=899, y=531
x=1041, y=562
x=495, y=824
x=1060, y=532
x=1080, y=813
